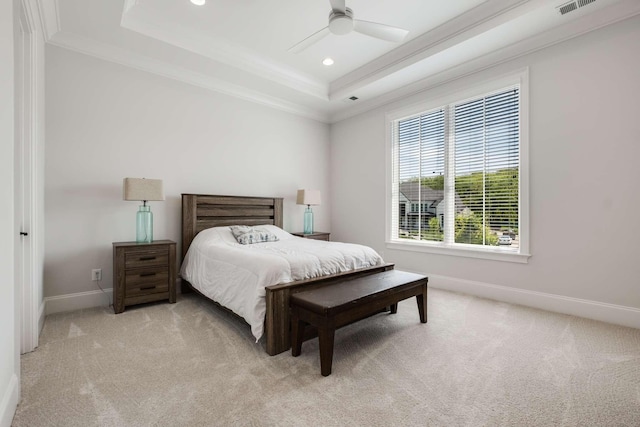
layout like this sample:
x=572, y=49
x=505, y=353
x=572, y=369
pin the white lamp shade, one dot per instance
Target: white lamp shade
x=142, y=189
x=308, y=197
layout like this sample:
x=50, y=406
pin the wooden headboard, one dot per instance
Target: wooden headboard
x=202, y=211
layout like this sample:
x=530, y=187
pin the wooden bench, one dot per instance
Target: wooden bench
x=333, y=306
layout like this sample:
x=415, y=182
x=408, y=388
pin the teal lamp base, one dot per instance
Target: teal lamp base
x=144, y=225
x=308, y=221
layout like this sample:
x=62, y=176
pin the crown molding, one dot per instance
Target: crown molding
x=413, y=51
x=128, y=5
x=608, y=16
x=33, y=17
x=235, y=56
x=49, y=17
x=128, y=58
x=463, y=27
x=48, y=11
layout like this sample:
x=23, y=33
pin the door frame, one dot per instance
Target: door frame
x=27, y=129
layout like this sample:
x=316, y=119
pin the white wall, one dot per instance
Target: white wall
x=106, y=122
x=39, y=175
x=584, y=146
x=9, y=360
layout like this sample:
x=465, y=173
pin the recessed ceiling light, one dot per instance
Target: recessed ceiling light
x=327, y=61
x=199, y=2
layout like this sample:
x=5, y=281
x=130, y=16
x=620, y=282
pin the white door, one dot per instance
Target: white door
x=24, y=186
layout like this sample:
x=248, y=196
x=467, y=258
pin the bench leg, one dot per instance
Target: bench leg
x=297, y=334
x=422, y=304
x=325, y=338
x=394, y=308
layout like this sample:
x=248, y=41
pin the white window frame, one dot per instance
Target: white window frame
x=522, y=255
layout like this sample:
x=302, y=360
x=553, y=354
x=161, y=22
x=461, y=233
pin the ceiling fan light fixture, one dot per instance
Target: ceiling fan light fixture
x=199, y=2
x=327, y=61
x=341, y=23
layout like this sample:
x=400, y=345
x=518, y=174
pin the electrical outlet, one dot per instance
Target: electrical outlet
x=96, y=274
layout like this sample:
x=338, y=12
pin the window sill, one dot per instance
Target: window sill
x=496, y=254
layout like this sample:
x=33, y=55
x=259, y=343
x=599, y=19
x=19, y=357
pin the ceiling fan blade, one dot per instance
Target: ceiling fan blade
x=380, y=31
x=338, y=5
x=313, y=38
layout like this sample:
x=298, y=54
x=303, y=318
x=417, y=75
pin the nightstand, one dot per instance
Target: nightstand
x=317, y=235
x=143, y=272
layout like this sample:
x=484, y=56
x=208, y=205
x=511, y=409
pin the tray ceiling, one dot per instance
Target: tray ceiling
x=240, y=47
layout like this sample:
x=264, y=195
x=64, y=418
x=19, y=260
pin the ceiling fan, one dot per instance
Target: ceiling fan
x=341, y=22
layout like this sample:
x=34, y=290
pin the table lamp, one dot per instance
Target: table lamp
x=308, y=197
x=144, y=190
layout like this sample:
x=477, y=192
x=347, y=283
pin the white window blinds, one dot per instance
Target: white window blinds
x=456, y=173
x=421, y=142
x=485, y=140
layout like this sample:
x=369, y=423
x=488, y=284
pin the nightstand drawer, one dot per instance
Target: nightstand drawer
x=147, y=258
x=146, y=289
x=136, y=278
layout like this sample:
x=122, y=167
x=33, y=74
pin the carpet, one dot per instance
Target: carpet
x=477, y=362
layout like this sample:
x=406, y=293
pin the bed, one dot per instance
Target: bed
x=212, y=213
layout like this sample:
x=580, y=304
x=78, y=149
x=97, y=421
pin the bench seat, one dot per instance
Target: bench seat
x=331, y=307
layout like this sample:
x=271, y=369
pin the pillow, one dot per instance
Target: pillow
x=246, y=235
x=277, y=231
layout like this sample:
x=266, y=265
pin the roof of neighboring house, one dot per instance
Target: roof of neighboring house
x=413, y=192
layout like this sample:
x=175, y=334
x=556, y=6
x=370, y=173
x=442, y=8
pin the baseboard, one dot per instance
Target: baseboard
x=41, y=316
x=9, y=402
x=80, y=300
x=610, y=313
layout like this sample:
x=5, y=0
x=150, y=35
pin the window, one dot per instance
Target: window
x=462, y=163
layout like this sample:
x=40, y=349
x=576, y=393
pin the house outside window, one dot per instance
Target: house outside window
x=461, y=166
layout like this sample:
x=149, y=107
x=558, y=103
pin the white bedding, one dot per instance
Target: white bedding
x=236, y=275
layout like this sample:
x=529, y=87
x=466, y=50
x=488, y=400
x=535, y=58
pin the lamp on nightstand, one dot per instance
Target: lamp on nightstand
x=308, y=197
x=144, y=190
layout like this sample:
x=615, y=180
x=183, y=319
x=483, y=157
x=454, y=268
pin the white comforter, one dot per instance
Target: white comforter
x=236, y=275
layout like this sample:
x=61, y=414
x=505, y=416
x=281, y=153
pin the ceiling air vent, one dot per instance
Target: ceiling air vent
x=573, y=5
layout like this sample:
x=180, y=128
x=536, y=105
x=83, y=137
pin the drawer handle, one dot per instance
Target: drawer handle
x=144, y=288
x=147, y=274
x=147, y=258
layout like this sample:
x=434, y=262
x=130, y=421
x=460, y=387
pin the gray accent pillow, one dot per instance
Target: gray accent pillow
x=246, y=235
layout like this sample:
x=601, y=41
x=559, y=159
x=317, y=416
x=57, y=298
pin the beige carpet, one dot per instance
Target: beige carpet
x=476, y=363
